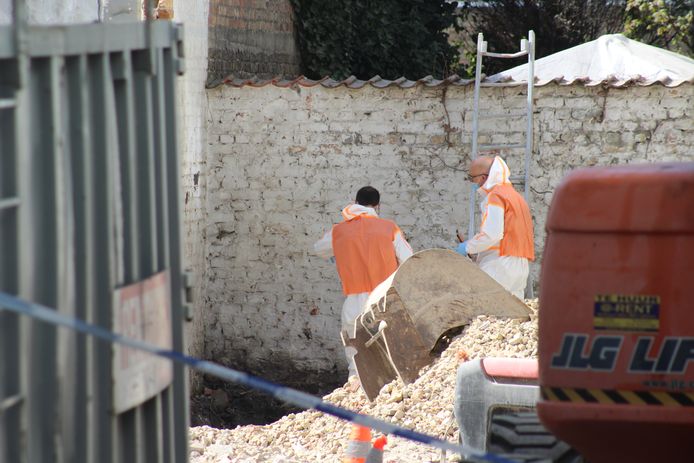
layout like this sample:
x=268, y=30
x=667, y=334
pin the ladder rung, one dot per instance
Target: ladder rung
x=8, y=203
x=7, y=103
x=498, y=147
x=9, y=402
x=502, y=115
x=518, y=54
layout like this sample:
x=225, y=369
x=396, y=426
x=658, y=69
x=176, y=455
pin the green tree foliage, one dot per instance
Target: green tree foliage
x=558, y=25
x=364, y=38
x=666, y=24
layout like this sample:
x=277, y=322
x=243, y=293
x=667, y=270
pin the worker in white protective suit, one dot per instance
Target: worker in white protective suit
x=504, y=244
x=367, y=250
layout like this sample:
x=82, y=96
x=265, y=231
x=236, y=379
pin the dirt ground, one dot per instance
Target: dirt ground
x=225, y=406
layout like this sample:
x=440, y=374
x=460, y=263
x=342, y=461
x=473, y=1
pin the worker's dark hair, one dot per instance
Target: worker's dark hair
x=368, y=196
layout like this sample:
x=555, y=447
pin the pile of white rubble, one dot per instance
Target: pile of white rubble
x=425, y=406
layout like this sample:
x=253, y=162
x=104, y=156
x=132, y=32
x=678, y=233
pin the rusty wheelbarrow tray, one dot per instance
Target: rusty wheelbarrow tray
x=433, y=292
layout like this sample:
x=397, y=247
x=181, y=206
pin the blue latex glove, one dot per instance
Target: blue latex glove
x=462, y=248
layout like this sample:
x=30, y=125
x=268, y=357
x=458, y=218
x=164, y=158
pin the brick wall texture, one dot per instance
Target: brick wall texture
x=282, y=163
x=252, y=38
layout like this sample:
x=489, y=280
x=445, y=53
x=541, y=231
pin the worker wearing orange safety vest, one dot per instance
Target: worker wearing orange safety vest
x=367, y=250
x=504, y=244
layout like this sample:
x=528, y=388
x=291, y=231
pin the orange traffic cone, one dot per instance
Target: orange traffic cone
x=359, y=445
x=376, y=453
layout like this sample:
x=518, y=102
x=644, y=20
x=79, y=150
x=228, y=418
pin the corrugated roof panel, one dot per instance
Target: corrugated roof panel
x=350, y=82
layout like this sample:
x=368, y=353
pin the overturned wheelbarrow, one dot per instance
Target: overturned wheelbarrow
x=434, y=292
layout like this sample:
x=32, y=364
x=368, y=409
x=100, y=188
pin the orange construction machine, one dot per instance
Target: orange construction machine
x=616, y=322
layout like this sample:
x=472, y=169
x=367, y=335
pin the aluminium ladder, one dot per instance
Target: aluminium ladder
x=527, y=48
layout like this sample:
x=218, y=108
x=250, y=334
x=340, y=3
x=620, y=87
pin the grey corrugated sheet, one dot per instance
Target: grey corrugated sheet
x=89, y=205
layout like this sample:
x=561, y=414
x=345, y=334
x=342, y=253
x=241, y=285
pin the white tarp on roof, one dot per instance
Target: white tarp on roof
x=612, y=59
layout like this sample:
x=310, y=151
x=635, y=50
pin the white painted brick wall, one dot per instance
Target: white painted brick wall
x=283, y=162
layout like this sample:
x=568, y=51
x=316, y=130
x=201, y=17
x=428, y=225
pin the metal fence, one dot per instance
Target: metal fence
x=89, y=217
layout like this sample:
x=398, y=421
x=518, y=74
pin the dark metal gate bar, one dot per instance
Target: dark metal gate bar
x=89, y=203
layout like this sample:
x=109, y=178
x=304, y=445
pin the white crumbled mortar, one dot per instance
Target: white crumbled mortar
x=425, y=406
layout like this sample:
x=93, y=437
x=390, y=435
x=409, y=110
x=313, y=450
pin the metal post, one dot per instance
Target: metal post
x=21, y=33
x=529, y=126
x=80, y=158
x=481, y=48
x=151, y=63
x=476, y=102
x=173, y=62
x=16, y=383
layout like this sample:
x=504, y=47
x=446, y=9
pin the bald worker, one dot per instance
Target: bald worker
x=504, y=244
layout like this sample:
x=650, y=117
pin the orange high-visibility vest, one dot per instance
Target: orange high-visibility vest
x=518, y=225
x=364, y=252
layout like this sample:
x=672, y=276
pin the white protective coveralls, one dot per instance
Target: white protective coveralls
x=354, y=303
x=509, y=271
